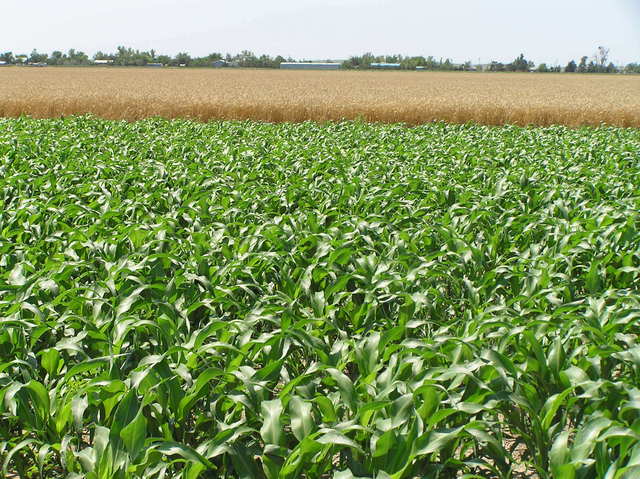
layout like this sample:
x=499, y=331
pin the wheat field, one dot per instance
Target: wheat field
x=275, y=95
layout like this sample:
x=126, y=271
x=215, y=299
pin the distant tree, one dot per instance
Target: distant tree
x=7, y=57
x=430, y=63
x=582, y=67
x=56, y=58
x=129, y=56
x=543, y=68
x=183, y=58
x=205, y=61
x=496, y=67
x=632, y=68
x=363, y=61
x=104, y=56
x=602, y=56
x=122, y=55
x=36, y=57
x=410, y=63
x=74, y=57
x=447, y=65
x=164, y=59
x=571, y=67
x=520, y=64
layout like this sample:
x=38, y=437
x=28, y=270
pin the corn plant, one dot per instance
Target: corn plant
x=345, y=300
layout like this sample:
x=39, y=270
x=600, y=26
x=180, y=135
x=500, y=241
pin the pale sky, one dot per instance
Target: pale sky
x=478, y=30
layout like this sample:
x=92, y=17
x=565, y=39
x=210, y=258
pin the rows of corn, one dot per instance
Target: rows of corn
x=236, y=299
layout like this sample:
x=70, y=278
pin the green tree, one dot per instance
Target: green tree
x=571, y=67
x=582, y=67
x=104, y=56
x=520, y=64
x=56, y=58
x=632, y=68
x=36, y=57
x=7, y=57
x=183, y=58
x=74, y=57
x=164, y=59
x=447, y=65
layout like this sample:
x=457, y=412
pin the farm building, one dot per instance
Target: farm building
x=103, y=62
x=385, y=65
x=156, y=65
x=219, y=63
x=310, y=66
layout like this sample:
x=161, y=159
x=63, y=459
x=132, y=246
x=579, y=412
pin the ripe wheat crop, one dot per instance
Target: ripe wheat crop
x=190, y=300
x=274, y=96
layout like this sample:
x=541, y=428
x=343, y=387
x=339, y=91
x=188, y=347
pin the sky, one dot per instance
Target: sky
x=551, y=31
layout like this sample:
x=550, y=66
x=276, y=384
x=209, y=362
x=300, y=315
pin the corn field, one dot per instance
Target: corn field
x=302, y=300
x=294, y=96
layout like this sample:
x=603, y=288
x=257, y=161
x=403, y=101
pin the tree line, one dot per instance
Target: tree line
x=124, y=56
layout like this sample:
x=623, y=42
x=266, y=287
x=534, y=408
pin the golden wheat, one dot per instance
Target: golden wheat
x=274, y=95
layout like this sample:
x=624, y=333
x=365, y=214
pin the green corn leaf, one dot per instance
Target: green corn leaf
x=134, y=434
x=302, y=423
x=271, y=430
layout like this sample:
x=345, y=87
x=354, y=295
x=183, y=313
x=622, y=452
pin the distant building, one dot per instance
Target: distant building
x=3, y=64
x=156, y=65
x=385, y=65
x=103, y=62
x=420, y=68
x=219, y=63
x=310, y=66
